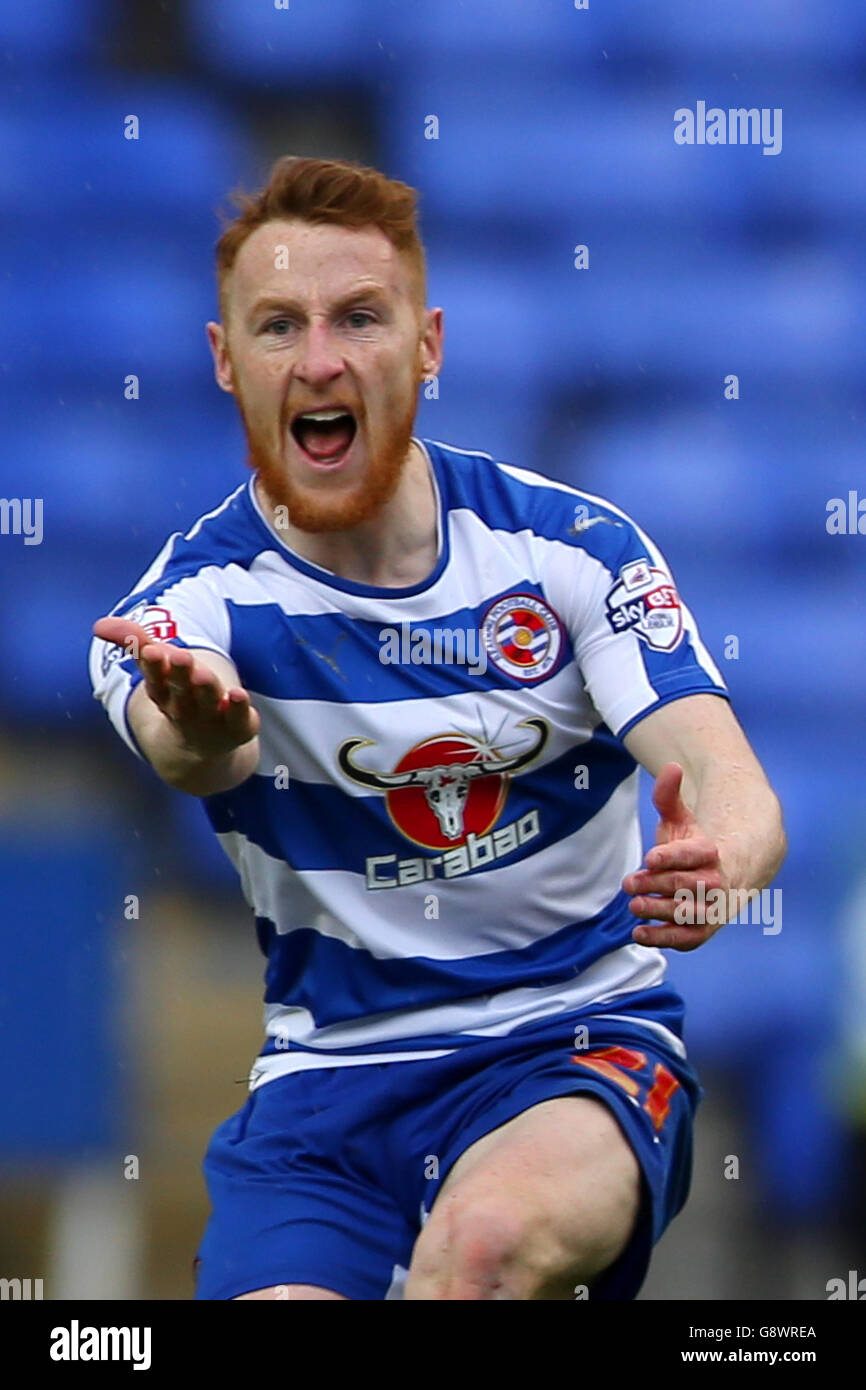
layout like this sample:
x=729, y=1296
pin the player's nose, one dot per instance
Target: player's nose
x=319, y=359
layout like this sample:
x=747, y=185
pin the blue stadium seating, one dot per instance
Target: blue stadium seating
x=753, y=478
x=121, y=306
x=538, y=38
x=545, y=152
x=130, y=470
x=778, y=32
x=49, y=597
x=629, y=314
x=480, y=414
x=798, y=654
x=304, y=45
x=67, y=1071
x=45, y=33
x=188, y=156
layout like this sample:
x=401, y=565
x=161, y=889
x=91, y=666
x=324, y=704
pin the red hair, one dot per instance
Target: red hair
x=331, y=191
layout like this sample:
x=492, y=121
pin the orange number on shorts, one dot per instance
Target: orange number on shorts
x=658, y=1102
x=607, y=1061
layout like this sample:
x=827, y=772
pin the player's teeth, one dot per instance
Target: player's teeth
x=322, y=414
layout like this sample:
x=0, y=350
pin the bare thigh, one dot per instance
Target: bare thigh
x=543, y=1203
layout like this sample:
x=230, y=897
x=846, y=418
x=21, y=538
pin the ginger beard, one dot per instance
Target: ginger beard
x=331, y=506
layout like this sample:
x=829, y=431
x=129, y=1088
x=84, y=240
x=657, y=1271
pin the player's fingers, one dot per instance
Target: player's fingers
x=155, y=657
x=203, y=689
x=164, y=685
x=666, y=793
x=662, y=909
x=696, y=852
x=241, y=717
x=168, y=673
x=195, y=692
x=154, y=667
x=199, y=702
x=195, y=689
x=203, y=676
x=181, y=664
x=138, y=644
x=672, y=937
x=123, y=632
x=685, y=880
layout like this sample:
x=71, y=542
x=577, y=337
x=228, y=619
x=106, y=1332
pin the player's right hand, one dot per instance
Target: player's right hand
x=211, y=718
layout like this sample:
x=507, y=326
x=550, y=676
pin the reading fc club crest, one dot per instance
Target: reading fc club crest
x=522, y=637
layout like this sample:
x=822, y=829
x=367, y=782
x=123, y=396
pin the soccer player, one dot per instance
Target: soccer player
x=413, y=687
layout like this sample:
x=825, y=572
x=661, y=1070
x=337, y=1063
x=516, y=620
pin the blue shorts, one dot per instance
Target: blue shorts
x=326, y=1176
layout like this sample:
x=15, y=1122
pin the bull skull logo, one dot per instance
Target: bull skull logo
x=446, y=786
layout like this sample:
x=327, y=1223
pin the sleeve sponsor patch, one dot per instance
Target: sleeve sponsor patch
x=644, y=601
x=157, y=623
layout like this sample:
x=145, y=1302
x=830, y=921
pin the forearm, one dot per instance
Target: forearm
x=181, y=767
x=738, y=809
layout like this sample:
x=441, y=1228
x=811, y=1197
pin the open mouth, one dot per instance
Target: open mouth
x=325, y=436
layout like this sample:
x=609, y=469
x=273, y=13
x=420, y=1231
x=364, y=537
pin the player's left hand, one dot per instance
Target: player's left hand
x=682, y=857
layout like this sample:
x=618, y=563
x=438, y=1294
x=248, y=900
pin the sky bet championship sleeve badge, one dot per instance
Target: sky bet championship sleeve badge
x=644, y=601
x=522, y=637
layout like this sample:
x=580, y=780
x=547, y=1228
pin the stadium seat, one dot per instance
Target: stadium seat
x=482, y=414
x=761, y=1007
x=67, y=1072
x=50, y=596
x=631, y=314
x=123, y=306
x=301, y=45
x=544, y=151
x=537, y=38
x=131, y=471
x=114, y=486
x=495, y=324
x=758, y=474
x=799, y=653
x=800, y=315
x=187, y=158
x=44, y=33
x=781, y=32
x=808, y=188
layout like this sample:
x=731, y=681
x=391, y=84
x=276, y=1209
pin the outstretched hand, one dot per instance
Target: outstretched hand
x=682, y=857
x=211, y=719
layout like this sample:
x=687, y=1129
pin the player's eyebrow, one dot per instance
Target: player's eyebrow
x=363, y=293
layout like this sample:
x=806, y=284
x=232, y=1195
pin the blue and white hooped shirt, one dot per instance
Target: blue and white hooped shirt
x=434, y=841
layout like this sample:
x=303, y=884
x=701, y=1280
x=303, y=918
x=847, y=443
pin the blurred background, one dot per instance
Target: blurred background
x=131, y=980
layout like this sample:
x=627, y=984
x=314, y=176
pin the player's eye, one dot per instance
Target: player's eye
x=278, y=326
x=363, y=314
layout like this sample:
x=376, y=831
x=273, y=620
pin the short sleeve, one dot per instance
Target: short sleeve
x=636, y=643
x=186, y=611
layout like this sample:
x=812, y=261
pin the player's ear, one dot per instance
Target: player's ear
x=430, y=344
x=216, y=336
